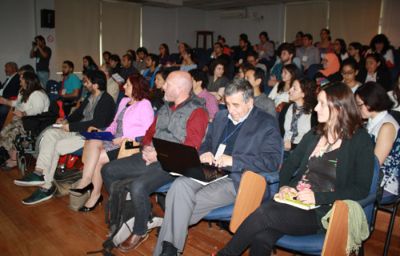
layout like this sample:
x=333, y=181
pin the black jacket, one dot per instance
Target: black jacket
x=354, y=171
x=12, y=88
x=102, y=117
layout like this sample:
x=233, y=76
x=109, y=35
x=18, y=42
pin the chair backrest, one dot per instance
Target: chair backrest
x=369, y=203
x=336, y=236
x=250, y=194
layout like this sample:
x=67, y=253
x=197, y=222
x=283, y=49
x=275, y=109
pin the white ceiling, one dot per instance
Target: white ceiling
x=212, y=4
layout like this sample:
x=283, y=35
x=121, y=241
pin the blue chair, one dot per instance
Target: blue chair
x=224, y=213
x=312, y=244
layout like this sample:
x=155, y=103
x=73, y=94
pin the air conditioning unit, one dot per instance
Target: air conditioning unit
x=234, y=14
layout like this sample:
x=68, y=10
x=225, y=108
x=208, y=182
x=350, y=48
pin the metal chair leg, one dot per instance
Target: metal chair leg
x=390, y=229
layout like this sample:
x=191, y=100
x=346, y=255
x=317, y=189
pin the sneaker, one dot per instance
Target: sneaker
x=30, y=179
x=168, y=249
x=155, y=222
x=40, y=195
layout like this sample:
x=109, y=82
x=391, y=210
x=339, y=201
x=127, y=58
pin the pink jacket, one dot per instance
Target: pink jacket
x=137, y=118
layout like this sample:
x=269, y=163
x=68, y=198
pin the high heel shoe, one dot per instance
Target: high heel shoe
x=82, y=190
x=89, y=209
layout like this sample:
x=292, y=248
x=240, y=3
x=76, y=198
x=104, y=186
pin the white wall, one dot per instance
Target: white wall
x=260, y=18
x=17, y=32
x=170, y=26
x=20, y=22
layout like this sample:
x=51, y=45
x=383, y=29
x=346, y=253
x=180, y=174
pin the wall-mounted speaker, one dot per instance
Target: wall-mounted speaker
x=47, y=19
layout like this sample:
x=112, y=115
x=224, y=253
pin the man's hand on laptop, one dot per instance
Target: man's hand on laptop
x=149, y=155
x=223, y=161
x=207, y=158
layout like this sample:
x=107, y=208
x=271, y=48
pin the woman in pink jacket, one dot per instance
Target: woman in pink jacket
x=134, y=116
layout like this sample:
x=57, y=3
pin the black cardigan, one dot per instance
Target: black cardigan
x=355, y=167
x=102, y=117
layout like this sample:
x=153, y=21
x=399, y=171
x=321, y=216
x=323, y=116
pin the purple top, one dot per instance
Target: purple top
x=211, y=102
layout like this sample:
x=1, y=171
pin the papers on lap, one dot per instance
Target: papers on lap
x=295, y=203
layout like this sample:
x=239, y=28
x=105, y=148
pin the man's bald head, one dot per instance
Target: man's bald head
x=178, y=86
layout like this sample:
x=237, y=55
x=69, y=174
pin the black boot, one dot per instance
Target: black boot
x=168, y=249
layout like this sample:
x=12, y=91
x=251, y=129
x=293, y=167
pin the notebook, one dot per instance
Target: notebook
x=182, y=160
x=98, y=136
x=294, y=202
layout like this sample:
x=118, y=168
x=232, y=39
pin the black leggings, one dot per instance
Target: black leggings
x=266, y=225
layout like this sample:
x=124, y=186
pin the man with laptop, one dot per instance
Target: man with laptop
x=240, y=138
x=183, y=120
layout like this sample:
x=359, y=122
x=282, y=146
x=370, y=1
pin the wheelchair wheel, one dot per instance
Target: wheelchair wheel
x=21, y=161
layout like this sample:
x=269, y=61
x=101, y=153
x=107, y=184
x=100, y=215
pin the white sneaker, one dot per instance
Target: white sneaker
x=154, y=223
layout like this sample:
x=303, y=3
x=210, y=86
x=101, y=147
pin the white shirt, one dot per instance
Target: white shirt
x=280, y=97
x=37, y=103
x=371, y=78
x=396, y=106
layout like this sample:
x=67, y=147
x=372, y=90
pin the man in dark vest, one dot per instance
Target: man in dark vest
x=184, y=120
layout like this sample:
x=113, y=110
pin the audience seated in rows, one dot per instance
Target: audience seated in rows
x=286, y=53
x=312, y=174
x=9, y=88
x=97, y=110
x=133, y=118
x=32, y=100
x=250, y=139
x=330, y=69
x=184, y=120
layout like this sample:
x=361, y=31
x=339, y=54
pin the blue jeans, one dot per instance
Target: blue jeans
x=43, y=77
x=147, y=179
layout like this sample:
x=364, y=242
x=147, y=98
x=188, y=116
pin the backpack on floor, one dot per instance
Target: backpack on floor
x=119, y=216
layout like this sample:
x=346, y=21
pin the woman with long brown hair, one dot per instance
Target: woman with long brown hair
x=333, y=162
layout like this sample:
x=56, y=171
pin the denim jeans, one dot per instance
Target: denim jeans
x=147, y=179
x=43, y=77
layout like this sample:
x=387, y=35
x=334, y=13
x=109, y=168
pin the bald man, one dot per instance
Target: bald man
x=182, y=120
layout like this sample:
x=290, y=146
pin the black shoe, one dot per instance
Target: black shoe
x=89, y=209
x=82, y=190
x=168, y=249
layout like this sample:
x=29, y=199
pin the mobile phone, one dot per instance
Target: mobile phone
x=129, y=145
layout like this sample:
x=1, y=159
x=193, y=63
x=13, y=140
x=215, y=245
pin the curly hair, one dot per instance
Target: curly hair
x=309, y=88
